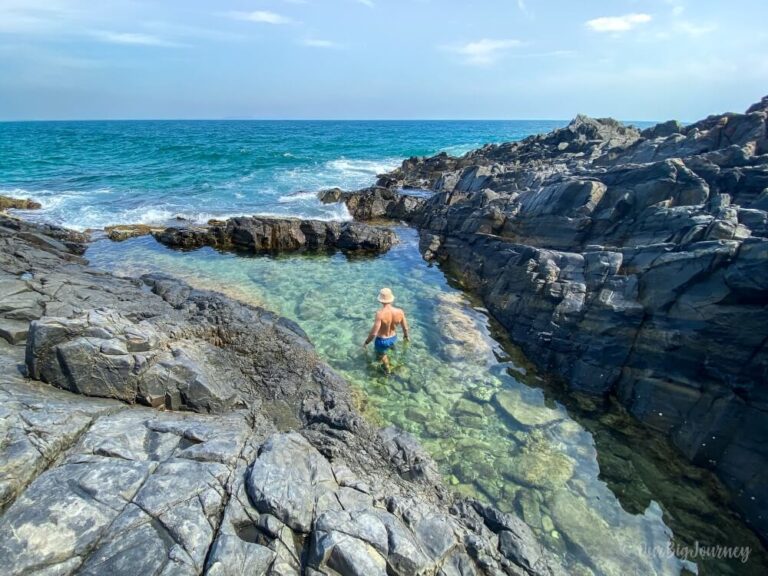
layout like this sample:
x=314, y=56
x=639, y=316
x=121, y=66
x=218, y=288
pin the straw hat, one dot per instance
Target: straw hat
x=386, y=296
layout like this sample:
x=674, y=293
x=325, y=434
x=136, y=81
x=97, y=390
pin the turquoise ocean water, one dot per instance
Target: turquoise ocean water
x=92, y=174
x=598, y=491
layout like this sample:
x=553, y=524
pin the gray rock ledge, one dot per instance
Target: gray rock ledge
x=284, y=479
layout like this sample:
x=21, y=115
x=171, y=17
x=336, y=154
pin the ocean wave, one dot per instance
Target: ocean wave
x=19, y=193
x=329, y=213
x=170, y=217
x=258, y=192
x=297, y=197
x=50, y=200
x=461, y=149
x=367, y=167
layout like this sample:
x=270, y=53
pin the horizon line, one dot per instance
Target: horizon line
x=247, y=119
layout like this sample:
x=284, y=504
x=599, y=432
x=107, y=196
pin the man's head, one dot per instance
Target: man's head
x=386, y=296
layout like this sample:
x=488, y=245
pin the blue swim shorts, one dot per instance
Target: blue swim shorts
x=382, y=345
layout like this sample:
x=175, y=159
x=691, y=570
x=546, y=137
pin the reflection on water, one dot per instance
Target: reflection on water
x=480, y=408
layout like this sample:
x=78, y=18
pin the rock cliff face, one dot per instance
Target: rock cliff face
x=269, y=235
x=629, y=263
x=285, y=478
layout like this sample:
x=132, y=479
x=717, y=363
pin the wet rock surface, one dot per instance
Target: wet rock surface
x=272, y=235
x=376, y=202
x=122, y=232
x=18, y=203
x=46, y=237
x=629, y=263
x=285, y=478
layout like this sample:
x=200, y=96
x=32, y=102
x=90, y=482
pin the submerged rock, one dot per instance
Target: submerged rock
x=465, y=338
x=539, y=464
x=512, y=404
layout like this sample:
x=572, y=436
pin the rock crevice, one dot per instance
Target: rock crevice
x=626, y=262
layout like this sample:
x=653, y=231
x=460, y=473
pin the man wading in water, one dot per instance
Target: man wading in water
x=387, y=319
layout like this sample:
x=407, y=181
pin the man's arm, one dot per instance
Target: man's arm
x=374, y=330
x=406, y=331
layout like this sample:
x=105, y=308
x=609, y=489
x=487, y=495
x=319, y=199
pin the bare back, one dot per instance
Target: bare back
x=388, y=319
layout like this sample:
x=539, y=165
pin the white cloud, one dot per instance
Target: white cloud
x=678, y=7
x=261, y=16
x=133, y=38
x=35, y=16
x=523, y=7
x=368, y=3
x=485, y=51
x=618, y=23
x=693, y=29
x=318, y=43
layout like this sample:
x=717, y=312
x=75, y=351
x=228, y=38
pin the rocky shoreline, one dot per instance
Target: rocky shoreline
x=152, y=427
x=259, y=235
x=148, y=427
x=628, y=263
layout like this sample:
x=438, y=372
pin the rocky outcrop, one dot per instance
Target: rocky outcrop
x=285, y=478
x=18, y=203
x=271, y=235
x=121, y=232
x=629, y=263
x=376, y=202
x=46, y=237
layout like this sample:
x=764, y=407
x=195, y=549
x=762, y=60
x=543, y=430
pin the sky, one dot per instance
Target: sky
x=381, y=59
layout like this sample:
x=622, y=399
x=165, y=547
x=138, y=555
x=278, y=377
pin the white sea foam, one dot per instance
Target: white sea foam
x=18, y=193
x=345, y=166
x=345, y=173
x=325, y=213
x=84, y=209
x=297, y=197
x=49, y=199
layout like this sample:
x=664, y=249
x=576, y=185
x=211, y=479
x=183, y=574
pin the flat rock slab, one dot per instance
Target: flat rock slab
x=13, y=331
x=136, y=478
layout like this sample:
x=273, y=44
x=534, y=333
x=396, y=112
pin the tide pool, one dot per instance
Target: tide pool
x=599, y=491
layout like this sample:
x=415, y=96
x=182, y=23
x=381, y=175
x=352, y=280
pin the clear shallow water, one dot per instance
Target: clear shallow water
x=479, y=407
x=93, y=174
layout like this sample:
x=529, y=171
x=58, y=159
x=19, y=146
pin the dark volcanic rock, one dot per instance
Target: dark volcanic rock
x=46, y=237
x=285, y=478
x=272, y=235
x=629, y=263
x=375, y=202
x=419, y=172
